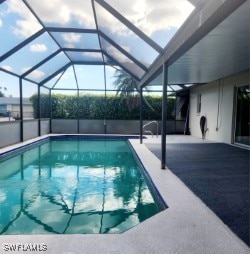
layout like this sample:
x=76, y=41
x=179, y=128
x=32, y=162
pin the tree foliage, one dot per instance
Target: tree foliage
x=1, y=91
x=128, y=89
x=98, y=107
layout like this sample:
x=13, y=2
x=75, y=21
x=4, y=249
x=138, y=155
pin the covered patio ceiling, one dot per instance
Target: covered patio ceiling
x=213, y=44
x=208, y=40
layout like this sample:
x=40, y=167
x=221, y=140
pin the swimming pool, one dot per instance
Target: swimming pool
x=75, y=186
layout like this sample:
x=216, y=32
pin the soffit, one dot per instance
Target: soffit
x=222, y=52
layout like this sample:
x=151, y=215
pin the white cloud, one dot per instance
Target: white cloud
x=172, y=14
x=63, y=12
x=97, y=56
x=109, y=24
x=24, y=69
x=7, y=67
x=71, y=38
x=36, y=74
x=38, y=47
x=117, y=55
x=92, y=54
x=1, y=23
x=26, y=23
x=25, y=28
x=151, y=16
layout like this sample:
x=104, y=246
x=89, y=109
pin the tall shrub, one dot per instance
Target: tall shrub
x=97, y=107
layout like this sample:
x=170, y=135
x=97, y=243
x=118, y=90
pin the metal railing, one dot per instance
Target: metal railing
x=148, y=131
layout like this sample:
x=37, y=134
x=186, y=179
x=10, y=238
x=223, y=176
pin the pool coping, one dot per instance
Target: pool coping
x=186, y=226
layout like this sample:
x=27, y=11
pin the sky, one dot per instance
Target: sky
x=158, y=19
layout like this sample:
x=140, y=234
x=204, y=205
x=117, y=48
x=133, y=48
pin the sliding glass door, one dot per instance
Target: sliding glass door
x=242, y=121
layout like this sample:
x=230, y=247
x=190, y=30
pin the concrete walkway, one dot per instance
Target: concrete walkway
x=186, y=226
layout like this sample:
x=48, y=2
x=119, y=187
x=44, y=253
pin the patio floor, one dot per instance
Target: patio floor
x=186, y=226
x=216, y=172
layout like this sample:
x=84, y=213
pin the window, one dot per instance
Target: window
x=242, y=120
x=198, y=103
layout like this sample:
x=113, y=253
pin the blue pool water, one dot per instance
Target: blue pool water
x=74, y=187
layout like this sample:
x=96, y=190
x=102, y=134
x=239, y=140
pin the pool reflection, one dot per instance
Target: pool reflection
x=70, y=188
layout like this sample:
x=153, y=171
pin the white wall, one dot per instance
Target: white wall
x=45, y=126
x=9, y=133
x=28, y=111
x=10, y=130
x=112, y=126
x=30, y=129
x=211, y=100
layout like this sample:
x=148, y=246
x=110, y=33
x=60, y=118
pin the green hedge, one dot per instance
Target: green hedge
x=96, y=107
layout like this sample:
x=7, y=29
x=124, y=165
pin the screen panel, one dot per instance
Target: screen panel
x=49, y=68
x=90, y=76
x=77, y=40
x=124, y=37
x=157, y=19
x=85, y=56
x=122, y=59
x=67, y=80
x=66, y=13
x=16, y=24
x=30, y=55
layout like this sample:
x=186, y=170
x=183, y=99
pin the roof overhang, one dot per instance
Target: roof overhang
x=212, y=44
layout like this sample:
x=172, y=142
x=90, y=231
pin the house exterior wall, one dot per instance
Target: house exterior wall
x=28, y=112
x=3, y=109
x=217, y=104
x=15, y=111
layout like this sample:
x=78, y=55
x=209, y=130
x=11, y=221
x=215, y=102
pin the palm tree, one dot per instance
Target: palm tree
x=127, y=87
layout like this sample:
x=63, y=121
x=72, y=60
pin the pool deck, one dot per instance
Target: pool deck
x=186, y=226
